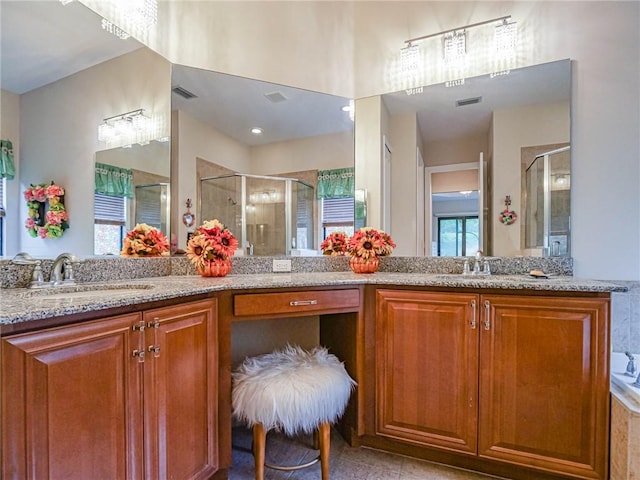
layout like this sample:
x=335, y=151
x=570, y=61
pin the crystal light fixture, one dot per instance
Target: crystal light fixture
x=455, y=47
x=505, y=39
x=410, y=59
x=135, y=16
x=126, y=129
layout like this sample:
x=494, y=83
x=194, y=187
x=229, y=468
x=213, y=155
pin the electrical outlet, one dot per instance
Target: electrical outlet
x=281, y=266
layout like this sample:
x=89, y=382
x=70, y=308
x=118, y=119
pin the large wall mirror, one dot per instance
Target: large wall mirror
x=239, y=175
x=64, y=82
x=476, y=141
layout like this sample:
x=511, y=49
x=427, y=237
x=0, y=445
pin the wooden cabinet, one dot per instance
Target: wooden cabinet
x=127, y=397
x=508, y=378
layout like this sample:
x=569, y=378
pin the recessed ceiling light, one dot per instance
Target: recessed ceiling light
x=256, y=131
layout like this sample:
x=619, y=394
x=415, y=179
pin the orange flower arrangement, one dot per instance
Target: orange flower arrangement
x=145, y=241
x=334, y=244
x=210, y=248
x=369, y=243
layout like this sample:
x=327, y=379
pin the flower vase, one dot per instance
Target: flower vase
x=215, y=268
x=362, y=265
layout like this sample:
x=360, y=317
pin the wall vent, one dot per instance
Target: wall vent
x=468, y=101
x=276, y=97
x=183, y=92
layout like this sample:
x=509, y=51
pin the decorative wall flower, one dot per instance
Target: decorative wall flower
x=145, y=241
x=335, y=244
x=41, y=222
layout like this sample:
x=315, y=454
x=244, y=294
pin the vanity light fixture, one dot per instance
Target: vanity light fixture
x=455, y=43
x=505, y=39
x=257, y=131
x=135, y=15
x=454, y=48
x=126, y=129
x=410, y=59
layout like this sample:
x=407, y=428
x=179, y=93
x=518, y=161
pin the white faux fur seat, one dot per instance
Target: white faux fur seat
x=294, y=391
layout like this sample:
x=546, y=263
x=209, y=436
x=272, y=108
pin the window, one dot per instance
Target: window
x=110, y=221
x=337, y=215
x=457, y=236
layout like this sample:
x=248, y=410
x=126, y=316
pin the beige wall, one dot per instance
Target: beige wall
x=10, y=130
x=323, y=152
x=58, y=131
x=403, y=138
x=459, y=150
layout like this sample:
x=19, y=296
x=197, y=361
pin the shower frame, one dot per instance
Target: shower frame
x=288, y=197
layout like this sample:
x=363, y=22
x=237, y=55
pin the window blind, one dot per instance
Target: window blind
x=109, y=210
x=337, y=211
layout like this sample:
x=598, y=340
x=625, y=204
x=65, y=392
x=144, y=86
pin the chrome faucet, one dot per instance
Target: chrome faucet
x=62, y=269
x=631, y=365
x=480, y=265
x=23, y=258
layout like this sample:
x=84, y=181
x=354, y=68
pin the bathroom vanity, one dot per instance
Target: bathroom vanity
x=501, y=375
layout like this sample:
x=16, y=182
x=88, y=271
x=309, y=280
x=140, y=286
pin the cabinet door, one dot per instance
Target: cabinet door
x=71, y=403
x=181, y=407
x=426, y=368
x=544, y=387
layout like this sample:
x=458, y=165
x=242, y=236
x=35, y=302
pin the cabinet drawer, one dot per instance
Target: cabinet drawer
x=255, y=304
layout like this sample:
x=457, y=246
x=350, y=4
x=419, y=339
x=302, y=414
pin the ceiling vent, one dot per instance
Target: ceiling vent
x=183, y=92
x=468, y=101
x=275, y=97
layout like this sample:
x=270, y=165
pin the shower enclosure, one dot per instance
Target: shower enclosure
x=268, y=215
x=152, y=204
x=548, y=203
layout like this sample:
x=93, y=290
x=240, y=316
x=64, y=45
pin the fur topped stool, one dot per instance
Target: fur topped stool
x=293, y=391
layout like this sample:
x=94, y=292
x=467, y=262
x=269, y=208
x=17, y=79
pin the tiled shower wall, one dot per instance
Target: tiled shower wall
x=625, y=319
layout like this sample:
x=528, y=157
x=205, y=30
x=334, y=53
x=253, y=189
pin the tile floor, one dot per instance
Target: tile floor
x=347, y=463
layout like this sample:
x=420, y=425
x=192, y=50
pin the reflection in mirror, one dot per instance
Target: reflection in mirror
x=62, y=82
x=301, y=133
x=480, y=126
x=548, y=200
x=132, y=186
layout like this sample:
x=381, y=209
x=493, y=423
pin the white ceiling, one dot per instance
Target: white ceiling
x=44, y=41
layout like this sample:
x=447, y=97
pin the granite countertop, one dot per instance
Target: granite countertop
x=19, y=305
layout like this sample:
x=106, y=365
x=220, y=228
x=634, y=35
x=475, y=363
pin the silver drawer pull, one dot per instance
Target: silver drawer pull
x=299, y=303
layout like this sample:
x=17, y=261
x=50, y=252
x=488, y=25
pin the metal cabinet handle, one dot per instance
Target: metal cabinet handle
x=299, y=303
x=473, y=317
x=139, y=354
x=139, y=327
x=487, y=313
x=155, y=349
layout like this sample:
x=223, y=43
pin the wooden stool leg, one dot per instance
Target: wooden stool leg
x=325, y=443
x=259, y=443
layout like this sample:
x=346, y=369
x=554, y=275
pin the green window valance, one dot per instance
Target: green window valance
x=337, y=183
x=114, y=181
x=7, y=167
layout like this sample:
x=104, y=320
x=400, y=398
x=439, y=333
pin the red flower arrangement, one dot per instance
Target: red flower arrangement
x=49, y=224
x=334, y=244
x=210, y=248
x=368, y=243
x=145, y=241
